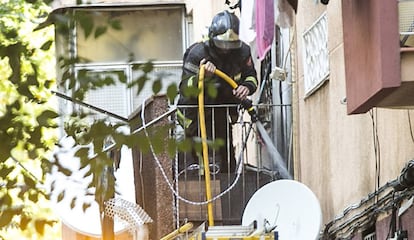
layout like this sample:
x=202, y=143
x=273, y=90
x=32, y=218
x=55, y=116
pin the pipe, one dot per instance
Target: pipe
x=202, y=122
x=63, y=96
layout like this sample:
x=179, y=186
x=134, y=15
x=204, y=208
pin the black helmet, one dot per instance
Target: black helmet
x=224, y=31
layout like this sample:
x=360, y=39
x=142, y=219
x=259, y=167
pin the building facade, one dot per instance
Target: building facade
x=352, y=114
x=348, y=134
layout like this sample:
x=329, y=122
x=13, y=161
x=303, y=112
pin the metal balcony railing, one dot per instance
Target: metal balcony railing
x=231, y=191
x=406, y=22
x=406, y=17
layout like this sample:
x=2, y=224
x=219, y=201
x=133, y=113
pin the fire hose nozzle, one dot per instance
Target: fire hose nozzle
x=248, y=105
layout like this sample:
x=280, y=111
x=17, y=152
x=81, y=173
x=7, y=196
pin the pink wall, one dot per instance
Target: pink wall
x=372, y=52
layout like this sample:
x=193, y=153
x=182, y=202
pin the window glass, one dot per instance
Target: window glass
x=147, y=34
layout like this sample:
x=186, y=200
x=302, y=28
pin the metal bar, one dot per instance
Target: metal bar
x=61, y=95
x=166, y=114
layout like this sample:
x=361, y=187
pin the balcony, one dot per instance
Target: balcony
x=402, y=97
x=230, y=191
x=379, y=54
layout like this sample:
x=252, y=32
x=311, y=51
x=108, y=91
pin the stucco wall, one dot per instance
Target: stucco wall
x=335, y=152
x=203, y=12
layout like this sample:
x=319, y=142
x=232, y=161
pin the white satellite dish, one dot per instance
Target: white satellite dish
x=286, y=206
x=88, y=222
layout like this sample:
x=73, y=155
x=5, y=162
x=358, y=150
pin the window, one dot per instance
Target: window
x=155, y=33
x=316, y=56
x=146, y=34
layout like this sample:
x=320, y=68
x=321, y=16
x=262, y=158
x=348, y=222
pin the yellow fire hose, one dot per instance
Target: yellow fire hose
x=183, y=229
x=226, y=78
x=203, y=132
x=248, y=106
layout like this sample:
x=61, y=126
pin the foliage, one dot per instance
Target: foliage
x=26, y=115
x=93, y=134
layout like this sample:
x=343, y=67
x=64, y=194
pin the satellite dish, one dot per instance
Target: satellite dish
x=88, y=222
x=286, y=206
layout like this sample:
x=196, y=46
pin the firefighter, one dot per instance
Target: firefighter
x=223, y=50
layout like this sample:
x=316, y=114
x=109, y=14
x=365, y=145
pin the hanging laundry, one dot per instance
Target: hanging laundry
x=285, y=12
x=265, y=26
x=247, y=22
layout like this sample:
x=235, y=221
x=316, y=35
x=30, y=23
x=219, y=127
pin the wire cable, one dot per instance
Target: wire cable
x=170, y=185
x=410, y=126
x=377, y=151
x=27, y=170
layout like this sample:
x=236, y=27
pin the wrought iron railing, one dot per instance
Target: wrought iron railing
x=231, y=189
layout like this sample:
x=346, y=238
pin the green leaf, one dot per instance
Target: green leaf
x=109, y=80
x=156, y=86
x=24, y=221
x=122, y=77
x=11, y=33
x=191, y=91
x=6, y=200
x=87, y=24
x=29, y=181
x=136, y=67
x=46, y=45
x=7, y=215
x=82, y=152
x=24, y=90
x=5, y=218
x=85, y=206
x=197, y=145
x=212, y=90
x=171, y=147
x=33, y=196
x=61, y=196
x=172, y=92
x=4, y=171
x=217, y=143
x=143, y=143
x=48, y=83
x=184, y=145
x=32, y=79
x=115, y=24
x=100, y=31
x=11, y=183
x=36, y=139
x=141, y=81
x=33, y=153
x=73, y=203
x=45, y=117
x=157, y=145
x=147, y=67
x=63, y=169
x=40, y=226
x=53, y=186
x=87, y=174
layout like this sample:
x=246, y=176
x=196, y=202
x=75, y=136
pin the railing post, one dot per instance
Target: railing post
x=152, y=191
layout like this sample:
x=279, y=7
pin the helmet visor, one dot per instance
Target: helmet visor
x=227, y=45
x=227, y=40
